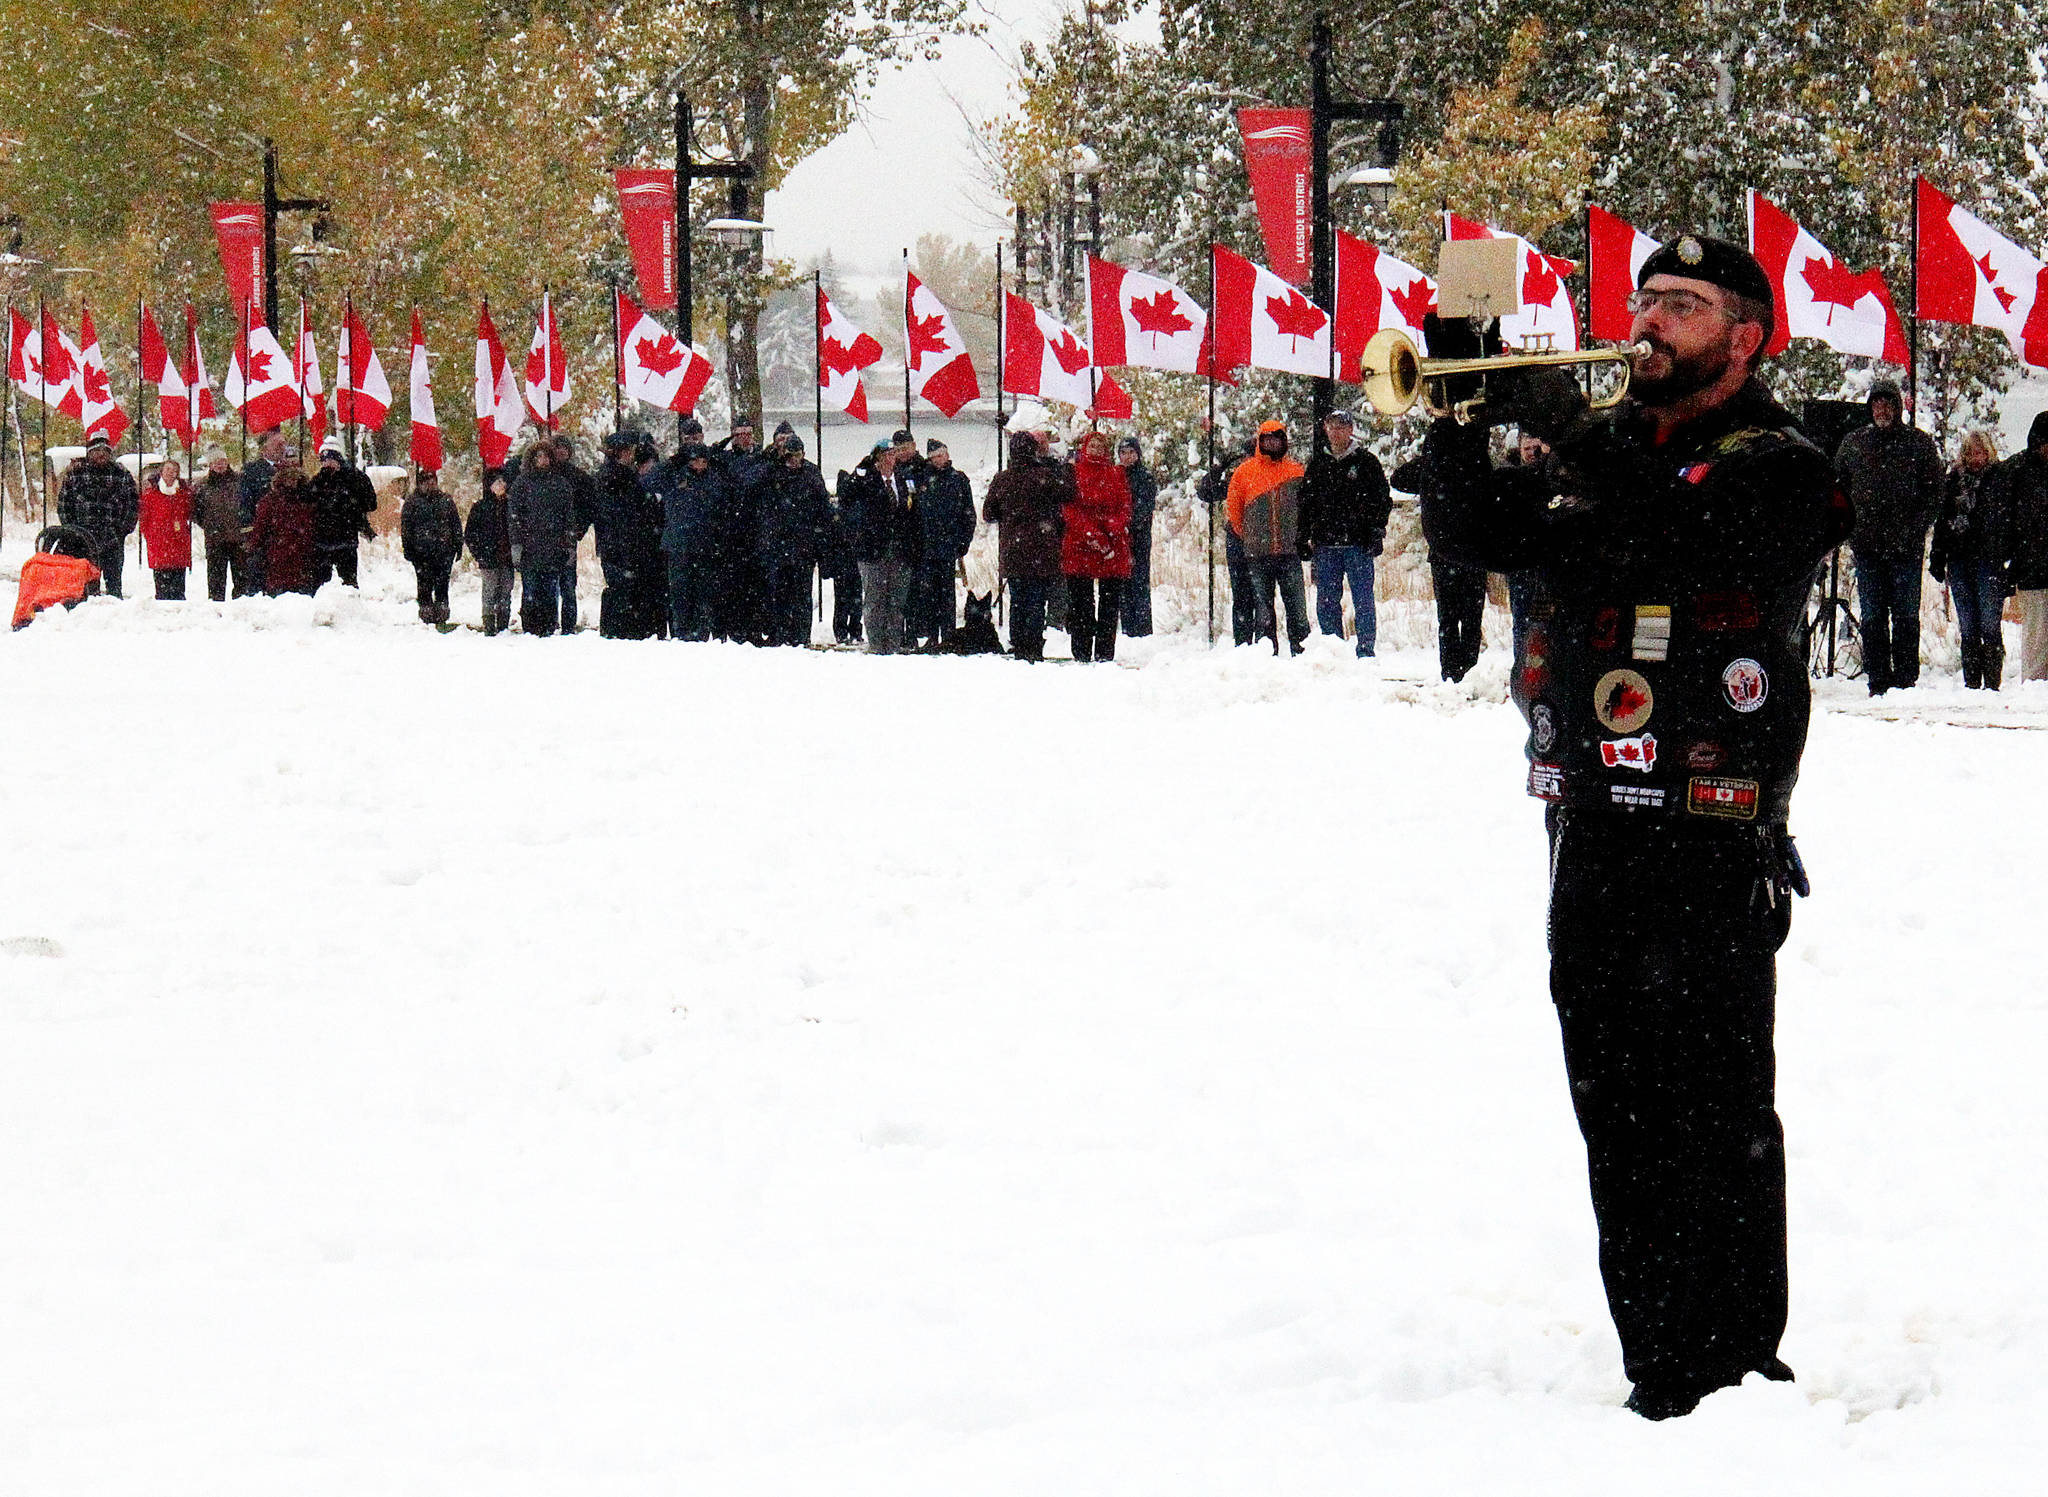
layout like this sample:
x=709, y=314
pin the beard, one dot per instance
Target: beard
x=1685, y=374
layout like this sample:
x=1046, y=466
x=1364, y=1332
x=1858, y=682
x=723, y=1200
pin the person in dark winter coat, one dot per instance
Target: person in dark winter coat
x=1892, y=473
x=430, y=535
x=884, y=505
x=166, y=524
x=1523, y=471
x=1136, y=615
x=257, y=473
x=488, y=534
x=1344, y=507
x=282, y=536
x=628, y=523
x=1214, y=493
x=1972, y=544
x=1027, y=504
x=838, y=565
x=795, y=516
x=546, y=525
x=1667, y=702
x=98, y=497
x=694, y=499
x=217, y=508
x=739, y=592
x=2022, y=496
x=343, y=501
x=945, y=529
x=1095, y=549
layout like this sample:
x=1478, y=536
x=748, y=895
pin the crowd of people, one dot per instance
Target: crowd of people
x=723, y=540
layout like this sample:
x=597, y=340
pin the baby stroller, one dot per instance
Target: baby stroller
x=61, y=572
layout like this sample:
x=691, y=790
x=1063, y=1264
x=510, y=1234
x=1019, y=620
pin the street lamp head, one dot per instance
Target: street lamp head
x=1083, y=162
x=737, y=232
x=1378, y=182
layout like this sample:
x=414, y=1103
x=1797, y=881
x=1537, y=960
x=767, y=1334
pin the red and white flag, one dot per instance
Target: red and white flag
x=1615, y=252
x=173, y=404
x=499, y=410
x=1817, y=295
x=1547, y=318
x=266, y=395
x=1043, y=357
x=1972, y=274
x=936, y=354
x=843, y=351
x=1263, y=322
x=1279, y=161
x=656, y=366
x=306, y=375
x=98, y=411
x=547, y=373
x=362, y=396
x=426, y=427
x=1375, y=290
x=198, y=383
x=1139, y=321
x=37, y=361
x=62, y=372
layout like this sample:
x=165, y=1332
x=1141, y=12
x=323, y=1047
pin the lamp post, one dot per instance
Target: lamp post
x=272, y=206
x=737, y=228
x=1084, y=168
x=308, y=257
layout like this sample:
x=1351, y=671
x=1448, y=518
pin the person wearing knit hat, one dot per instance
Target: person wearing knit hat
x=216, y=506
x=1672, y=541
x=1893, y=474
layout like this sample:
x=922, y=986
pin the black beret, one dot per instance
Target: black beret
x=1715, y=261
x=902, y=436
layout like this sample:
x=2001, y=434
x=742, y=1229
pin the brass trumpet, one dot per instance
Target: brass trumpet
x=1397, y=375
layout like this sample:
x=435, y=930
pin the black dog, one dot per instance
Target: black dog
x=976, y=635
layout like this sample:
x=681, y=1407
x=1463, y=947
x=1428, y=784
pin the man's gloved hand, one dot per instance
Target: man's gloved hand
x=1543, y=400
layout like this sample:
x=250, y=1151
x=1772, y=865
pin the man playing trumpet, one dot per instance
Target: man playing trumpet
x=1673, y=541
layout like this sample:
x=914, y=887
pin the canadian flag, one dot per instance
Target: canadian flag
x=426, y=427
x=1042, y=357
x=266, y=396
x=362, y=396
x=1264, y=322
x=936, y=354
x=1970, y=273
x=1817, y=295
x=1139, y=321
x=1615, y=252
x=1375, y=290
x=98, y=411
x=193, y=370
x=843, y=351
x=37, y=361
x=173, y=402
x=499, y=411
x=657, y=368
x=547, y=374
x=1547, y=318
x=306, y=375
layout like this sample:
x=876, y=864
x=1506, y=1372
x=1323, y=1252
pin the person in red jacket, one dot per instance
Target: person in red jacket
x=283, y=532
x=166, y=521
x=1095, y=550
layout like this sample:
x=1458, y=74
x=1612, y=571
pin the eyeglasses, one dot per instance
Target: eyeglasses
x=1682, y=305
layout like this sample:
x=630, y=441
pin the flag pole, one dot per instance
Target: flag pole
x=618, y=368
x=906, y=337
x=818, y=367
x=298, y=358
x=547, y=355
x=1913, y=340
x=242, y=406
x=999, y=356
x=6, y=416
x=139, y=559
x=43, y=417
x=1211, y=438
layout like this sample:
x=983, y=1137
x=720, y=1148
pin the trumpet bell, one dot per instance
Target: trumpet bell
x=1391, y=370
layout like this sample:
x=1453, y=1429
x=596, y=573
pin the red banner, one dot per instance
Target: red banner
x=239, y=228
x=647, y=202
x=1276, y=156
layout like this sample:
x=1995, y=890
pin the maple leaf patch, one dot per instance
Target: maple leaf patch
x=1539, y=282
x=2005, y=297
x=1295, y=315
x=96, y=390
x=1159, y=315
x=1414, y=301
x=664, y=356
x=1069, y=353
x=1836, y=284
x=927, y=335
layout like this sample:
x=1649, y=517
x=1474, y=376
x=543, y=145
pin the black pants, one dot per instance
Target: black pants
x=170, y=584
x=326, y=564
x=634, y=604
x=1091, y=617
x=1460, y=605
x=1663, y=945
x=226, y=566
x=846, y=604
x=110, y=561
x=789, y=602
x=431, y=580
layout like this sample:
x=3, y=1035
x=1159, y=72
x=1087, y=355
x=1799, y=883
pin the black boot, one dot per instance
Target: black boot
x=1973, y=669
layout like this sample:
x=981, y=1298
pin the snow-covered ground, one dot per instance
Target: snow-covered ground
x=440, y=1065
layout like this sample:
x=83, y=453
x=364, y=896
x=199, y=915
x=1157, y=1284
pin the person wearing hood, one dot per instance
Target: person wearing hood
x=945, y=530
x=217, y=507
x=98, y=497
x=795, y=514
x=694, y=495
x=1263, y=510
x=430, y=535
x=1095, y=549
x=1892, y=473
x=343, y=501
x=1027, y=503
x=1971, y=546
x=166, y=522
x=1144, y=486
x=488, y=534
x=2022, y=494
x=546, y=523
x=281, y=538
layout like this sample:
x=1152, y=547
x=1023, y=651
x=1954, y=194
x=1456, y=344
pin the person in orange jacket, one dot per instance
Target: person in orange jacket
x=1263, y=509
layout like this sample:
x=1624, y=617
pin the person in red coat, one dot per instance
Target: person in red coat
x=166, y=521
x=1095, y=550
x=283, y=532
